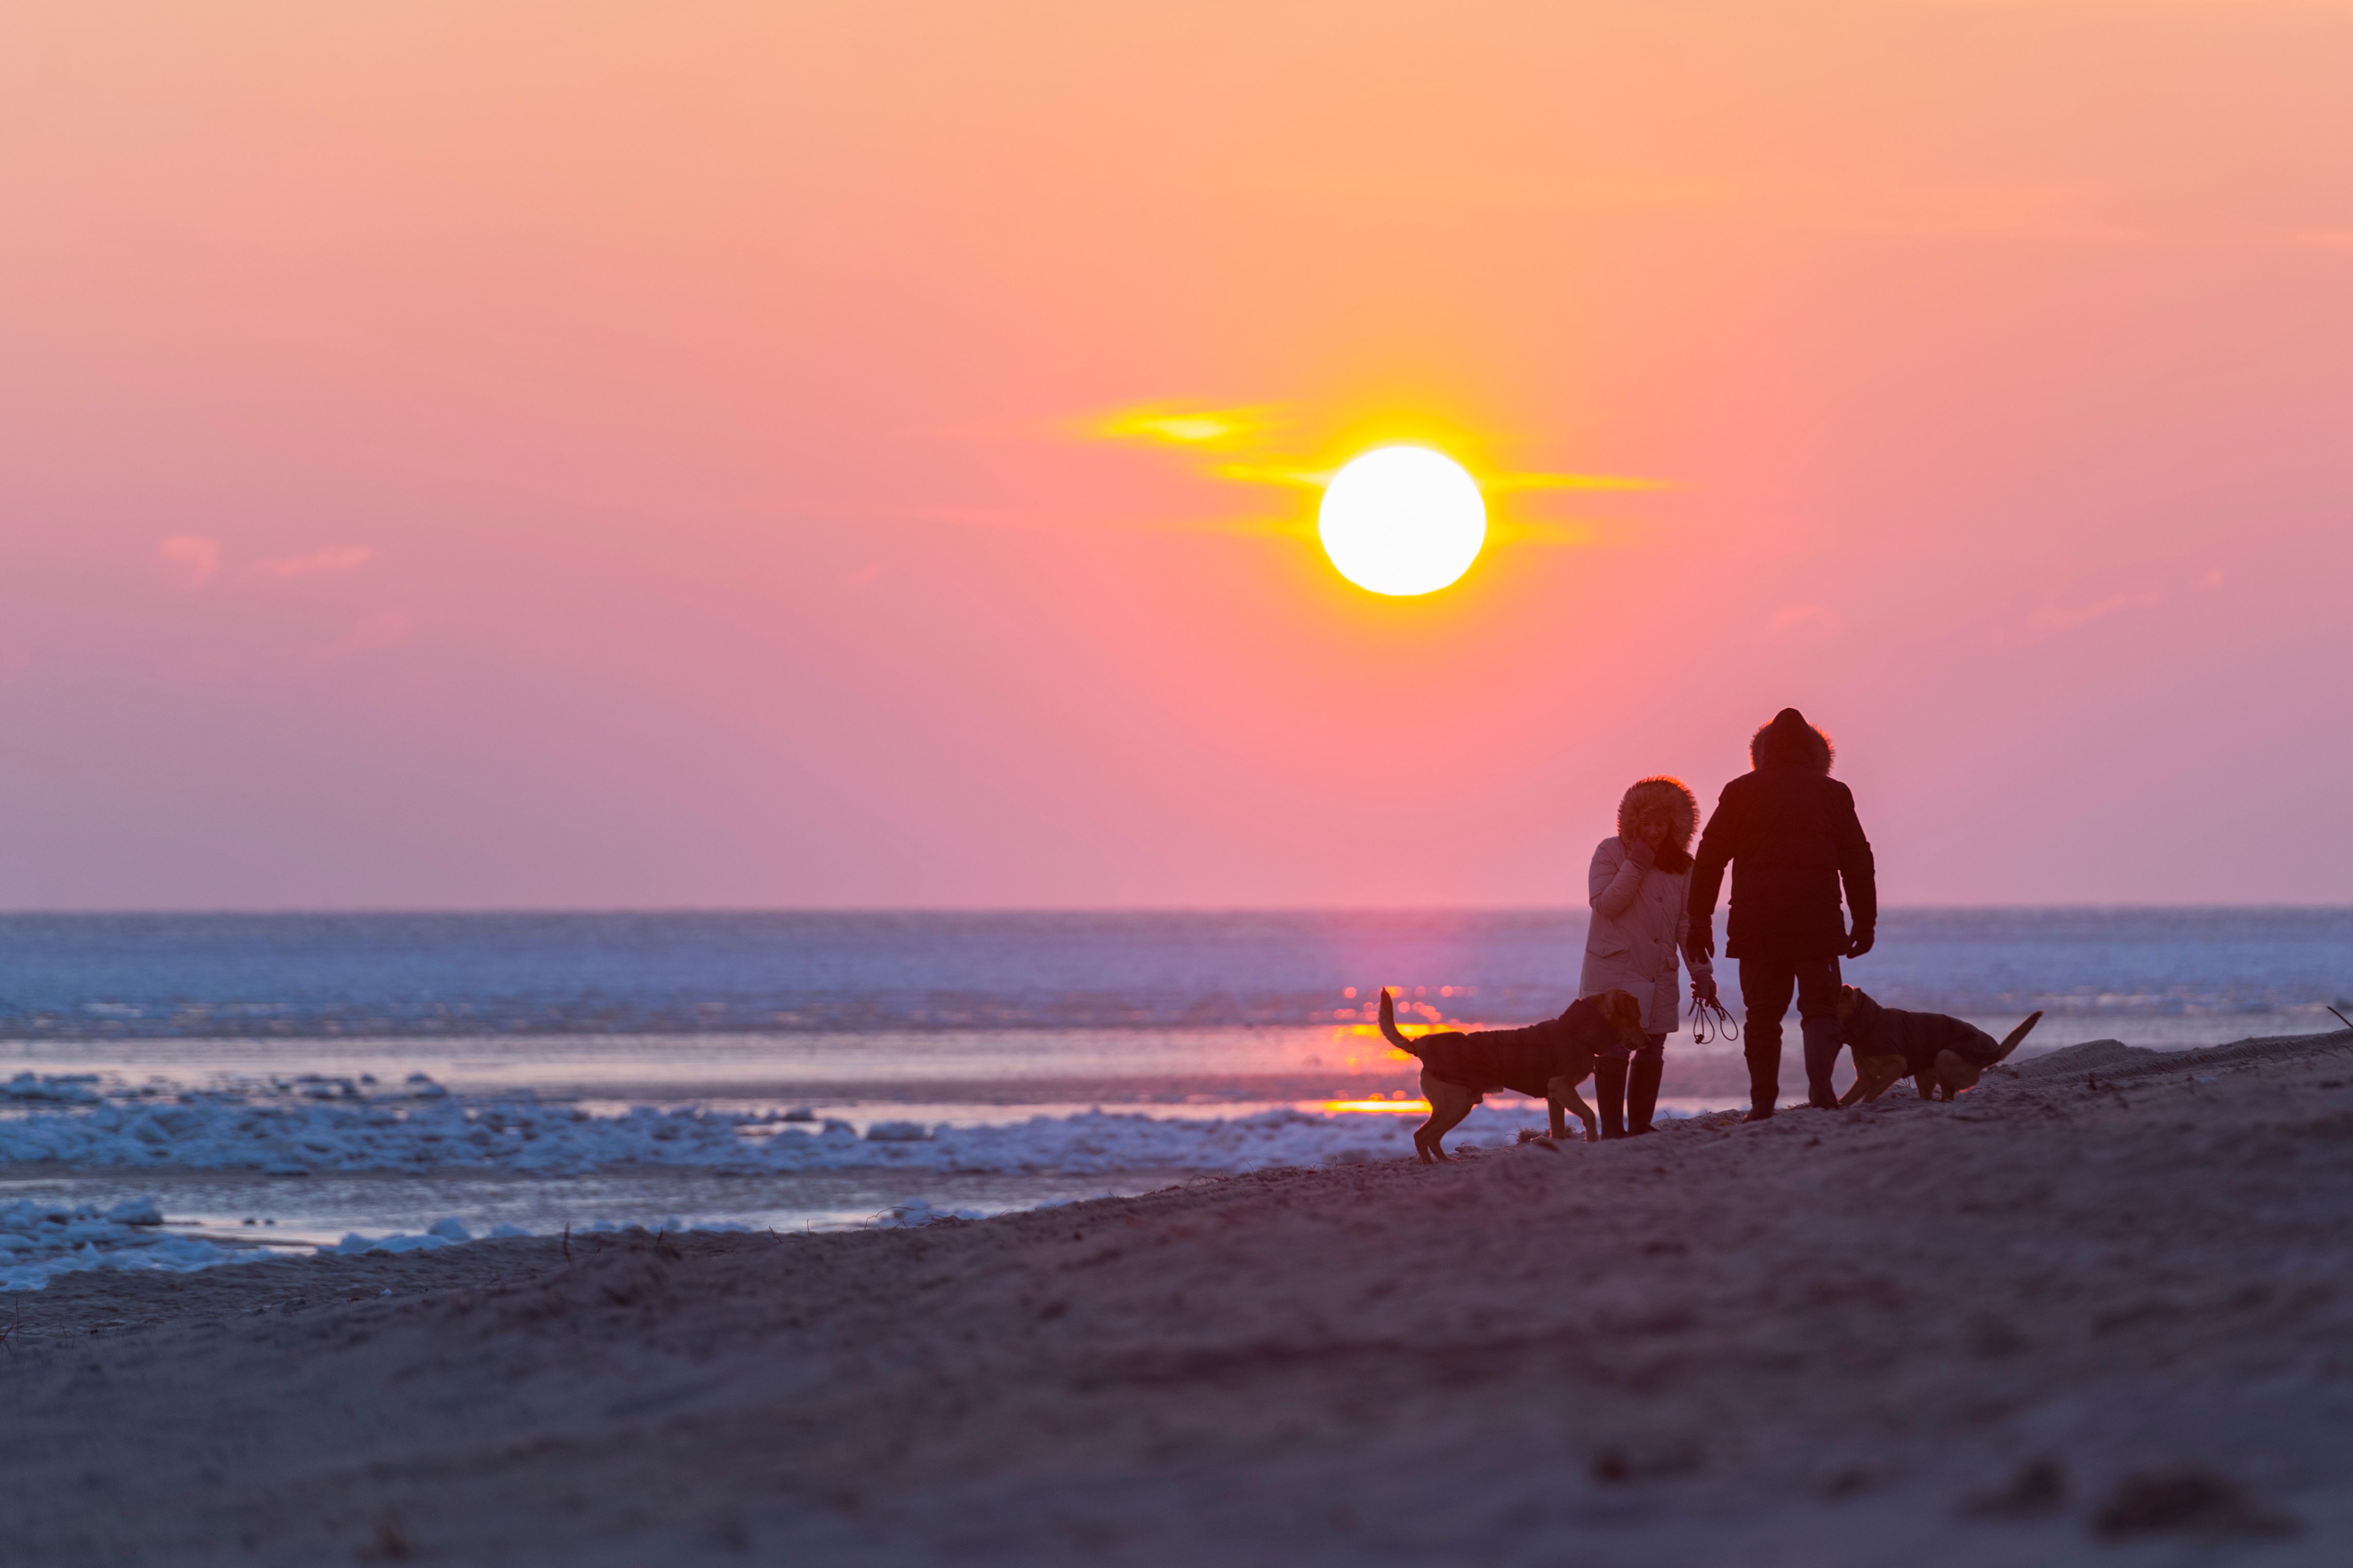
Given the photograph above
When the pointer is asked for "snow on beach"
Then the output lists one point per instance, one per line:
(39, 1241)
(312, 1125)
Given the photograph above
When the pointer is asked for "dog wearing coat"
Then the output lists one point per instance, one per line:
(1545, 1061)
(1943, 1055)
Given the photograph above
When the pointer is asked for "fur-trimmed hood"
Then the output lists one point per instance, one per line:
(1789, 740)
(1672, 796)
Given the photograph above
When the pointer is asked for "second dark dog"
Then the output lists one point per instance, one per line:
(1944, 1055)
(1545, 1061)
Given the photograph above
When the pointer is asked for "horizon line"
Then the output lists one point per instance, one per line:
(541, 911)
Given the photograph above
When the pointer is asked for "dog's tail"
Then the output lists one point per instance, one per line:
(1390, 1030)
(2009, 1041)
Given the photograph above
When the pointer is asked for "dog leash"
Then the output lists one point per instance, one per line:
(1711, 1021)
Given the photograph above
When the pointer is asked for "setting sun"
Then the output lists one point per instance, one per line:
(1402, 520)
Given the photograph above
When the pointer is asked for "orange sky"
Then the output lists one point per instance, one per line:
(611, 454)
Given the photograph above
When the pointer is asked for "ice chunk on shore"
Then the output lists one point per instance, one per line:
(71, 1088)
(39, 1241)
(294, 1134)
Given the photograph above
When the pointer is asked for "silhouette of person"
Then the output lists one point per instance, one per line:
(1790, 832)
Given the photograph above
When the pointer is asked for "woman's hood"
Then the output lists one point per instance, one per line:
(1681, 806)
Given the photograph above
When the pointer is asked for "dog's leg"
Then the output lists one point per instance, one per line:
(1560, 1095)
(1925, 1084)
(1873, 1075)
(1449, 1104)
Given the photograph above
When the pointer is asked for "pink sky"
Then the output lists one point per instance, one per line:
(594, 453)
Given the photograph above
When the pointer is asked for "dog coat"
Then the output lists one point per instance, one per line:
(1877, 1031)
(1522, 1059)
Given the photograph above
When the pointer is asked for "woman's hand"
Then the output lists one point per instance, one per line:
(1704, 989)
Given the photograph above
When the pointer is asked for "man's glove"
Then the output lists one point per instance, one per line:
(1701, 938)
(1860, 943)
(1703, 988)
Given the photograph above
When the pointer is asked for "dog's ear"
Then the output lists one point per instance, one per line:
(1624, 1012)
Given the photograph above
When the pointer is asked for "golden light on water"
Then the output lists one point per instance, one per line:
(1402, 520)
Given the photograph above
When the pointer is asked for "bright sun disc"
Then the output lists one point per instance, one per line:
(1402, 519)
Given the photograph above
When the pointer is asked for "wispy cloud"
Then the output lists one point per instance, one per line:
(1007, 517)
(1182, 425)
(318, 563)
(1243, 431)
(1508, 482)
(192, 558)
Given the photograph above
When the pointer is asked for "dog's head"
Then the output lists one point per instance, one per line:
(1625, 1015)
(1958, 1076)
(1849, 998)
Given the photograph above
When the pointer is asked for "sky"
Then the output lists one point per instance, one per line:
(508, 454)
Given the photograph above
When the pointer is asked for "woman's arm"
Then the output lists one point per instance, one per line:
(1613, 879)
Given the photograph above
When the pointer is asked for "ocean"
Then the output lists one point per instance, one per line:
(265, 1083)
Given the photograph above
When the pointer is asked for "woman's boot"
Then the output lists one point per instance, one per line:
(1643, 1095)
(1609, 1085)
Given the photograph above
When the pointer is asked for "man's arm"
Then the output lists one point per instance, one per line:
(1860, 875)
(1716, 847)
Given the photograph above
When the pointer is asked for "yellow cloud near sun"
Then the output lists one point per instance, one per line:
(1188, 427)
(1571, 482)
(1249, 440)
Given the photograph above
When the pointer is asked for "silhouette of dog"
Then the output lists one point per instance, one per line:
(1944, 1055)
(1545, 1061)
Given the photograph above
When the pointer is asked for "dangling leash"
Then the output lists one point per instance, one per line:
(1710, 1022)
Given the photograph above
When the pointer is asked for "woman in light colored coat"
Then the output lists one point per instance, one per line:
(1640, 888)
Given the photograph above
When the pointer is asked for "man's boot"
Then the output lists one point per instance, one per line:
(1821, 1061)
(1610, 1086)
(1764, 1070)
(1641, 1094)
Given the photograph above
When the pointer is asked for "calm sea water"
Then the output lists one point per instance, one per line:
(1016, 1022)
(163, 976)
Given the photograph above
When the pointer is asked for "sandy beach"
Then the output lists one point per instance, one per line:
(2100, 1310)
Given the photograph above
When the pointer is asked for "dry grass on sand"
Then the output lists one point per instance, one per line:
(2100, 1310)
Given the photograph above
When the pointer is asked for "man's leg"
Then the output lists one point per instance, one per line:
(1765, 987)
(1818, 989)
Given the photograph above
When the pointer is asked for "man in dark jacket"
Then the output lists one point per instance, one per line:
(1790, 832)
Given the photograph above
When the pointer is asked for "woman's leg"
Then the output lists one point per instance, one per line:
(1609, 1089)
(1649, 1065)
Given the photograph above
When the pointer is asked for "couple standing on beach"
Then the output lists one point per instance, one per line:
(1790, 832)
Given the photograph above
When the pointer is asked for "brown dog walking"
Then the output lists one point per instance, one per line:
(1545, 1061)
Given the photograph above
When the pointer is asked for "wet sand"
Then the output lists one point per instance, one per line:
(2099, 1310)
